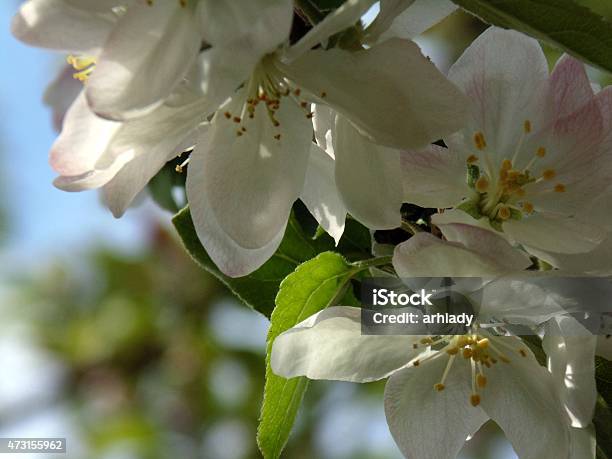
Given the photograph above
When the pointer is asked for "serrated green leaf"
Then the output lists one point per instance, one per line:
(562, 23)
(313, 286)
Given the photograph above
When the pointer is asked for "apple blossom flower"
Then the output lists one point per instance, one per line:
(445, 383)
(242, 182)
(534, 155)
(141, 50)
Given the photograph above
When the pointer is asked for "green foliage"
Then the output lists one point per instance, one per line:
(259, 289)
(313, 286)
(563, 23)
(161, 186)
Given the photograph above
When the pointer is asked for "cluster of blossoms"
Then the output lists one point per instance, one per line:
(267, 119)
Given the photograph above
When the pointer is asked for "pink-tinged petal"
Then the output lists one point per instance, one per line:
(570, 86)
(61, 25)
(83, 140)
(144, 59)
(434, 177)
(552, 233)
(505, 75)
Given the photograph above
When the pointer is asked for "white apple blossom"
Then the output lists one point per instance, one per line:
(535, 154)
(261, 137)
(141, 50)
(441, 389)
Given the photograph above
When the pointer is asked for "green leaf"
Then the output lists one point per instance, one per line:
(313, 286)
(563, 23)
(603, 411)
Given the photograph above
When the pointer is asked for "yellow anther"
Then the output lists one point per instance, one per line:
(277, 136)
(475, 399)
(236, 119)
(527, 207)
(483, 343)
(506, 165)
(416, 363)
(504, 213)
(560, 188)
(323, 94)
(481, 380)
(527, 126)
(472, 159)
(504, 359)
(482, 184)
(480, 141)
(415, 346)
(452, 351)
(179, 169)
(467, 352)
(523, 352)
(549, 174)
(426, 341)
(439, 387)
(541, 152)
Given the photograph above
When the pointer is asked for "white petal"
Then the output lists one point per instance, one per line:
(159, 148)
(505, 75)
(408, 19)
(241, 188)
(487, 243)
(83, 140)
(554, 234)
(321, 195)
(343, 17)
(424, 255)
(584, 444)
(434, 177)
(368, 177)
(265, 24)
(57, 24)
(61, 94)
(597, 262)
(224, 68)
(144, 59)
(94, 178)
(571, 359)
(425, 423)
(527, 298)
(520, 397)
(390, 91)
(323, 121)
(329, 345)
